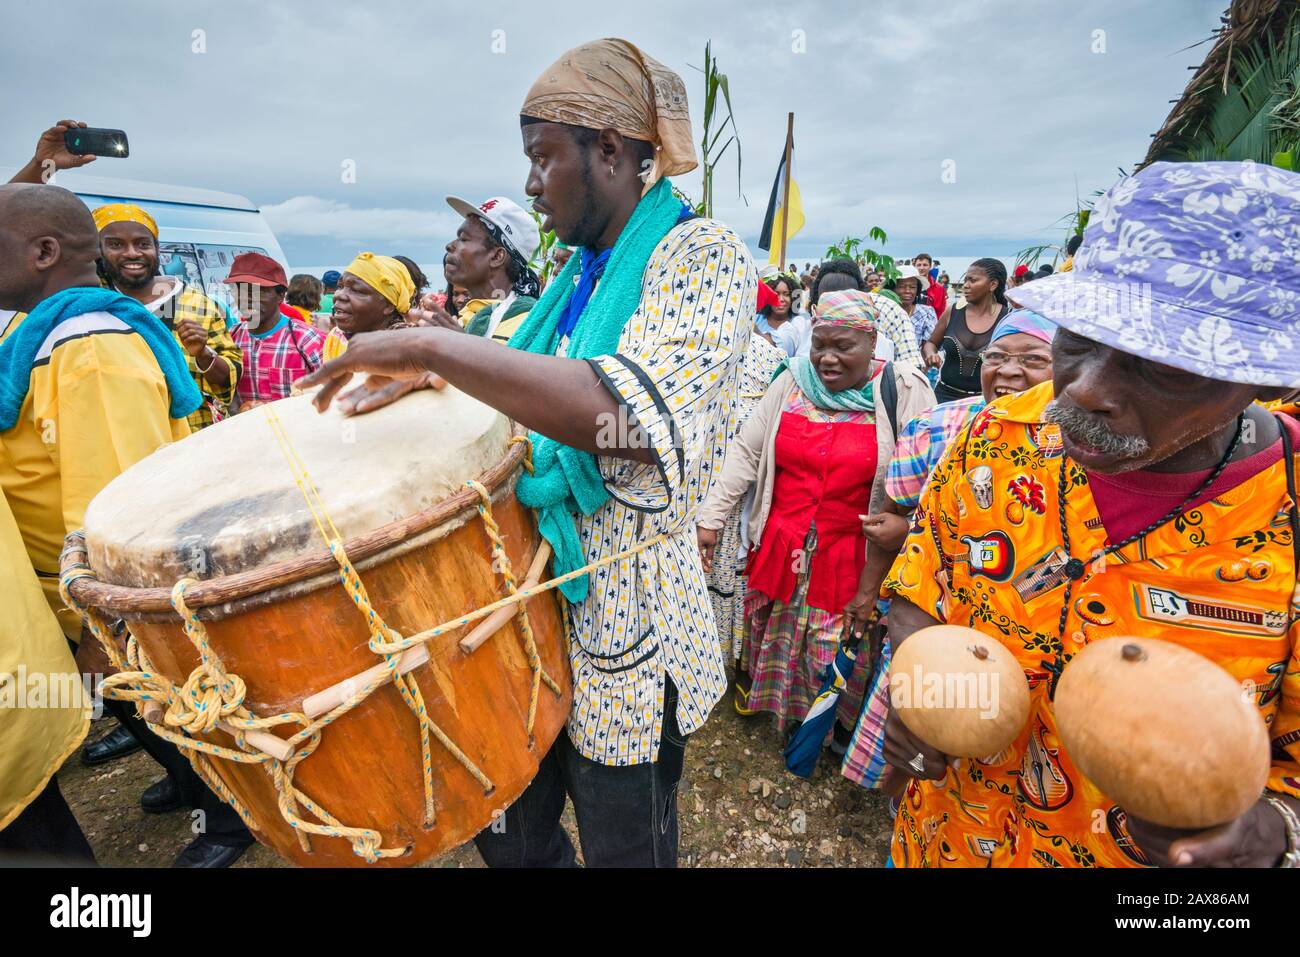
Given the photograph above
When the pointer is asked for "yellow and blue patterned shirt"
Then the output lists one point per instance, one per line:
(648, 617)
(186, 302)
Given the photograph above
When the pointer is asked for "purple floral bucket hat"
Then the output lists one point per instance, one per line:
(1195, 265)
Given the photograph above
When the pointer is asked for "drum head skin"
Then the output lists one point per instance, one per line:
(225, 500)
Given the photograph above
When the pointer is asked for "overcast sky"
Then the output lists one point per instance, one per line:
(1012, 93)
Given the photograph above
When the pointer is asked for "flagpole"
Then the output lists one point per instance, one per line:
(785, 204)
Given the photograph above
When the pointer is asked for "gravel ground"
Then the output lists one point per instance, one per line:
(739, 807)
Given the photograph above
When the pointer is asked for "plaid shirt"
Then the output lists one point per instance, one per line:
(920, 446)
(275, 360)
(186, 302)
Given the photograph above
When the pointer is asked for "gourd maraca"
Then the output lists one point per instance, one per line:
(1164, 732)
(959, 691)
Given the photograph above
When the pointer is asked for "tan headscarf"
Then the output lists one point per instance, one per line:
(610, 84)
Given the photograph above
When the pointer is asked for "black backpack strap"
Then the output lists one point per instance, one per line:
(1288, 456)
(889, 396)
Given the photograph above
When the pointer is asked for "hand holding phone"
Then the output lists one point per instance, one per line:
(52, 153)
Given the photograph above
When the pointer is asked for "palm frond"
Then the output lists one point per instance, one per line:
(1253, 112)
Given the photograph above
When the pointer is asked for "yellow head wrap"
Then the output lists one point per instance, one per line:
(123, 213)
(611, 84)
(386, 276)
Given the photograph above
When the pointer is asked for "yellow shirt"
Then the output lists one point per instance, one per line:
(472, 307)
(335, 345)
(97, 403)
(985, 551)
(504, 329)
(508, 327)
(44, 712)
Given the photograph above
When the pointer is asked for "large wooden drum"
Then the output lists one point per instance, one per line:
(225, 509)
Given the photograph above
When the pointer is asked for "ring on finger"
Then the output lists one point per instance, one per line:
(917, 764)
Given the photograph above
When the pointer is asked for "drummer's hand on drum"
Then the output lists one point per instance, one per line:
(707, 539)
(379, 391)
(387, 356)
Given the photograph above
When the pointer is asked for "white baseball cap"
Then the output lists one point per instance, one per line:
(517, 227)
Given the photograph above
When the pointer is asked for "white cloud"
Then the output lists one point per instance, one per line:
(420, 105)
(316, 216)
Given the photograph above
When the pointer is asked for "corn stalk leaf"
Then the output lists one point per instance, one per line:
(715, 126)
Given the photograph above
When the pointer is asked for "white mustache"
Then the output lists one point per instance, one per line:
(1091, 430)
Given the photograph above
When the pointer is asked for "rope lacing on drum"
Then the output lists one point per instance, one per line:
(501, 562)
(211, 696)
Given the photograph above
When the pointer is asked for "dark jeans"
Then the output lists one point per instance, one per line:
(222, 825)
(627, 816)
(45, 833)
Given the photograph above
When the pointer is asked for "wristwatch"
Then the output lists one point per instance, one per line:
(1292, 856)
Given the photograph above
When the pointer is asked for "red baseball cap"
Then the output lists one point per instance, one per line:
(258, 269)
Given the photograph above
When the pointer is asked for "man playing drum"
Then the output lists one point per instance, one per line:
(626, 370)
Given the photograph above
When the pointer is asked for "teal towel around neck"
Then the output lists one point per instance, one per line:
(18, 351)
(566, 481)
(810, 384)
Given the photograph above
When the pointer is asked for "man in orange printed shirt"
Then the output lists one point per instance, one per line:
(1144, 492)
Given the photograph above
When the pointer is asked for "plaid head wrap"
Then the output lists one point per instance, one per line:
(848, 307)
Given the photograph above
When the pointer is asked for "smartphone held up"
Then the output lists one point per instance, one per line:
(93, 141)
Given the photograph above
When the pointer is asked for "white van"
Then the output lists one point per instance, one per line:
(200, 231)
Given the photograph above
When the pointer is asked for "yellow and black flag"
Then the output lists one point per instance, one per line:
(785, 192)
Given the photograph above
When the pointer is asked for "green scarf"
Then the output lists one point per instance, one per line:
(565, 481)
(810, 384)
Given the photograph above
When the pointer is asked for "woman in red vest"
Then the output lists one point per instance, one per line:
(813, 450)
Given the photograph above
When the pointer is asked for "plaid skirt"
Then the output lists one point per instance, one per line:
(787, 648)
(864, 764)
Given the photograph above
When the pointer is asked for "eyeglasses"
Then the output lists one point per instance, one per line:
(1029, 361)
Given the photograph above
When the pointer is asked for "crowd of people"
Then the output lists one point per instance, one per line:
(826, 459)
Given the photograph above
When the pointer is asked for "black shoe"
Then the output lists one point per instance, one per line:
(162, 796)
(203, 852)
(118, 743)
